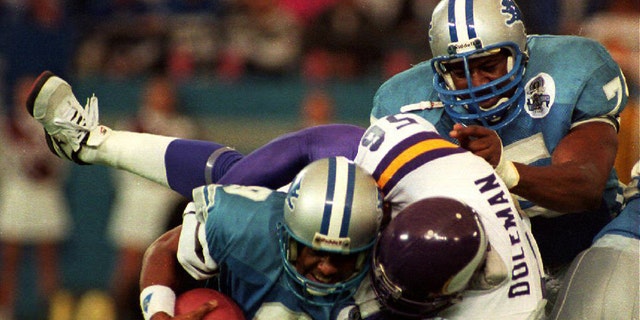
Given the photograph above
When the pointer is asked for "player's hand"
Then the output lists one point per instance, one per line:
(197, 314)
(481, 141)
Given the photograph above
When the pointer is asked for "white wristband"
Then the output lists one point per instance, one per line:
(157, 298)
(508, 172)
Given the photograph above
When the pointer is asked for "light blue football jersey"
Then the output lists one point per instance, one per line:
(568, 80)
(241, 234)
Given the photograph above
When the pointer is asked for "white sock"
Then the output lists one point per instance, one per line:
(139, 153)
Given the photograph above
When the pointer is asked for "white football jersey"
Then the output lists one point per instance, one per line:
(411, 161)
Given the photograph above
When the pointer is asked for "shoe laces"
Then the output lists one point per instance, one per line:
(77, 122)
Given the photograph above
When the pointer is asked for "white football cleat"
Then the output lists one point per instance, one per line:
(66, 123)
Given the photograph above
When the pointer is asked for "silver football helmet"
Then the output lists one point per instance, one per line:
(461, 30)
(426, 256)
(333, 205)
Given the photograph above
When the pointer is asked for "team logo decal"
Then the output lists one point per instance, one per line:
(510, 8)
(540, 93)
(293, 194)
(145, 302)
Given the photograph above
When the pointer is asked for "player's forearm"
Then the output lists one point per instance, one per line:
(563, 188)
(577, 176)
(159, 262)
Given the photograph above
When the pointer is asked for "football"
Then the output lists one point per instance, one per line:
(190, 300)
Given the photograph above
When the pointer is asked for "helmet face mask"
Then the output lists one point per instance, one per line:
(334, 207)
(313, 292)
(391, 296)
(426, 256)
(461, 31)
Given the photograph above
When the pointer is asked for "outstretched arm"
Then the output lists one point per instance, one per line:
(579, 169)
(576, 178)
(159, 266)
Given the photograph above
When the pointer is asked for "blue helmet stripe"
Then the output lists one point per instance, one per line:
(471, 26)
(348, 203)
(328, 202)
(452, 21)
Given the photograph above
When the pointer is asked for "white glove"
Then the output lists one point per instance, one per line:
(193, 249)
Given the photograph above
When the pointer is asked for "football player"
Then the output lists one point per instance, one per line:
(300, 254)
(440, 272)
(540, 109)
(602, 282)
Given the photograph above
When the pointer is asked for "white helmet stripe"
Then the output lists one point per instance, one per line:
(339, 198)
(461, 24)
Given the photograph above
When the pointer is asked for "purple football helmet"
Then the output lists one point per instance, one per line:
(425, 257)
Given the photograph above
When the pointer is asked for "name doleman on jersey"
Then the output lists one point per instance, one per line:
(503, 211)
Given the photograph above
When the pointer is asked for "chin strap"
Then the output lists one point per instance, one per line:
(507, 170)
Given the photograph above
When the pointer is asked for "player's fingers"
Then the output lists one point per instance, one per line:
(459, 134)
(466, 134)
(486, 148)
(456, 131)
(479, 149)
(473, 131)
(203, 310)
(208, 306)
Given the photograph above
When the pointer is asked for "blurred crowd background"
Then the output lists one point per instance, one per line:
(239, 72)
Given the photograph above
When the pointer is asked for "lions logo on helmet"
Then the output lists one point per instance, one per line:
(292, 196)
(333, 205)
(461, 30)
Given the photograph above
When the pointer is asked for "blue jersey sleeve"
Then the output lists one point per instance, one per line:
(276, 163)
(240, 222)
(605, 92)
(587, 79)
